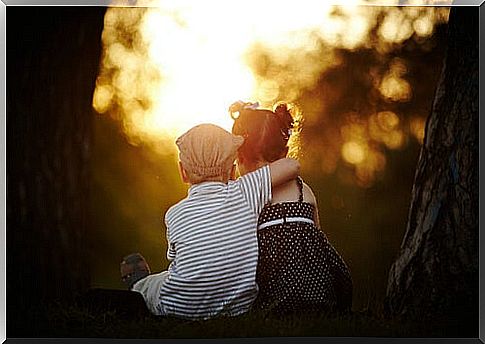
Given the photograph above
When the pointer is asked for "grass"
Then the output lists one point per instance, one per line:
(71, 320)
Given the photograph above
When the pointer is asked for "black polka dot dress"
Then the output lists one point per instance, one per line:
(298, 269)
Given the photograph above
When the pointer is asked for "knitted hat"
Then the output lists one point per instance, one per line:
(207, 150)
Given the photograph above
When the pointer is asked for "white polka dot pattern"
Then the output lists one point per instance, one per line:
(298, 268)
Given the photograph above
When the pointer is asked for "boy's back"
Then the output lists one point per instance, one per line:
(213, 245)
(212, 233)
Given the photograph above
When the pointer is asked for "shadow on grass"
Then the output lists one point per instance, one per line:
(122, 316)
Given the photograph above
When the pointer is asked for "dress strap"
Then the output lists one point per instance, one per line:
(299, 181)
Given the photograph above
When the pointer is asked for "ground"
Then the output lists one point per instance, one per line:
(76, 320)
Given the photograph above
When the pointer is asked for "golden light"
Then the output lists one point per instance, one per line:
(366, 171)
(394, 140)
(396, 27)
(175, 64)
(353, 152)
(395, 89)
(384, 128)
(103, 96)
(392, 86)
(268, 91)
(417, 127)
(423, 26)
(387, 120)
(329, 161)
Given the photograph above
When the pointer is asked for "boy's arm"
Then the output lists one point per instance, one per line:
(283, 170)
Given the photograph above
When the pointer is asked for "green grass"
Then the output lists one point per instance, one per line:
(73, 321)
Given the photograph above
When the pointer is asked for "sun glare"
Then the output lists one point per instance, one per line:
(175, 64)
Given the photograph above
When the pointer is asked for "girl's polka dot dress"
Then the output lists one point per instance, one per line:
(298, 269)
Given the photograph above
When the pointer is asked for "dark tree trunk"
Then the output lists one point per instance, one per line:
(53, 55)
(436, 272)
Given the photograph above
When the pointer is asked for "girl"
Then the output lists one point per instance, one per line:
(298, 269)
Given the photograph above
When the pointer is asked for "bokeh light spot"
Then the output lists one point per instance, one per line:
(353, 152)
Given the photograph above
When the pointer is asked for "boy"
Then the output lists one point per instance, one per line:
(211, 233)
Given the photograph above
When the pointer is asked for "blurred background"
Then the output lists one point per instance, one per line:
(363, 76)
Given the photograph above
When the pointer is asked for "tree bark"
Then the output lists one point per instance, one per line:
(53, 55)
(436, 272)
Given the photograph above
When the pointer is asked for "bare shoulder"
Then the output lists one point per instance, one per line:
(308, 195)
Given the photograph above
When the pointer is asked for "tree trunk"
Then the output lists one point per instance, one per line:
(436, 272)
(53, 55)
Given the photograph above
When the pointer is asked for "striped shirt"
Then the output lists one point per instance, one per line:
(213, 247)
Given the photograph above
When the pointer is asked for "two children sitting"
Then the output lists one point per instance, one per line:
(211, 234)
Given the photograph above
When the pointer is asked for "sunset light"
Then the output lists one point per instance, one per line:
(173, 65)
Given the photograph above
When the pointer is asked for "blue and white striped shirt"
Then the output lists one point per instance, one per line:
(213, 246)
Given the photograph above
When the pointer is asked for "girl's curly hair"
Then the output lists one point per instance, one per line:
(269, 135)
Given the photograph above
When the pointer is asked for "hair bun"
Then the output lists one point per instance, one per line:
(236, 108)
(281, 108)
(239, 106)
(284, 115)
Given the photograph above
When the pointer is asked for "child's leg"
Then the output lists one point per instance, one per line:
(149, 287)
